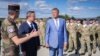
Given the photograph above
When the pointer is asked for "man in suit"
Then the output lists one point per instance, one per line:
(29, 48)
(56, 36)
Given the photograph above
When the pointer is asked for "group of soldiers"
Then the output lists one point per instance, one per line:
(83, 35)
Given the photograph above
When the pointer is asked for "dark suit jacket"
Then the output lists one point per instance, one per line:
(34, 42)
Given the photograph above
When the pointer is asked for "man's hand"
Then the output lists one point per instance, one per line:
(65, 46)
(47, 46)
(34, 34)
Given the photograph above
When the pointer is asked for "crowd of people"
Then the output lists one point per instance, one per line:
(82, 33)
(56, 34)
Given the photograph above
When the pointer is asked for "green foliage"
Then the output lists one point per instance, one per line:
(65, 16)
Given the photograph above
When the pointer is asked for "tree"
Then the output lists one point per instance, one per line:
(98, 18)
(65, 16)
(72, 17)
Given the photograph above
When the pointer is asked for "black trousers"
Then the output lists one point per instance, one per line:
(31, 51)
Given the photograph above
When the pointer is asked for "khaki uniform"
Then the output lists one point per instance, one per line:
(8, 30)
(42, 30)
(37, 23)
(79, 29)
(72, 36)
(79, 25)
(98, 33)
(92, 36)
(85, 39)
(67, 27)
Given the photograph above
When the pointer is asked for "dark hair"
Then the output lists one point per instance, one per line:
(83, 20)
(41, 18)
(55, 9)
(29, 12)
(91, 20)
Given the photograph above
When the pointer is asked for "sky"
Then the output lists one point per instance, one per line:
(76, 8)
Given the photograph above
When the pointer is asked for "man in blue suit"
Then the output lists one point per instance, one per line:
(56, 35)
(30, 47)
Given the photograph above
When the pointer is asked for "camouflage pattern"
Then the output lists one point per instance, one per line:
(72, 36)
(92, 36)
(8, 31)
(42, 30)
(78, 34)
(37, 22)
(98, 33)
(85, 39)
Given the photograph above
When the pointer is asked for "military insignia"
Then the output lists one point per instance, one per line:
(10, 29)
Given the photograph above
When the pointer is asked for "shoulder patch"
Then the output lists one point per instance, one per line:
(10, 29)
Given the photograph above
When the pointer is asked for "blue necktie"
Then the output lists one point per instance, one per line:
(32, 27)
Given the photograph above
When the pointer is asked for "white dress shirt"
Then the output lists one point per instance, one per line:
(56, 21)
(29, 23)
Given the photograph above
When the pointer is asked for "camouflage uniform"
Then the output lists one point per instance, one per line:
(85, 39)
(93, 37)
(8, 31)
(72, 36)
(79, 25)
(98, 33)
(42, 30)
(37, 22)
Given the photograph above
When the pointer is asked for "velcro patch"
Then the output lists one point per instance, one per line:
(10, 29)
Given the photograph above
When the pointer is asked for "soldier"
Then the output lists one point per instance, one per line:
(42, 30)
(93, 33)
(98, 33)
(72, 36)
(85, 38)
(9, 34)
(79, 25)
(37, 22)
